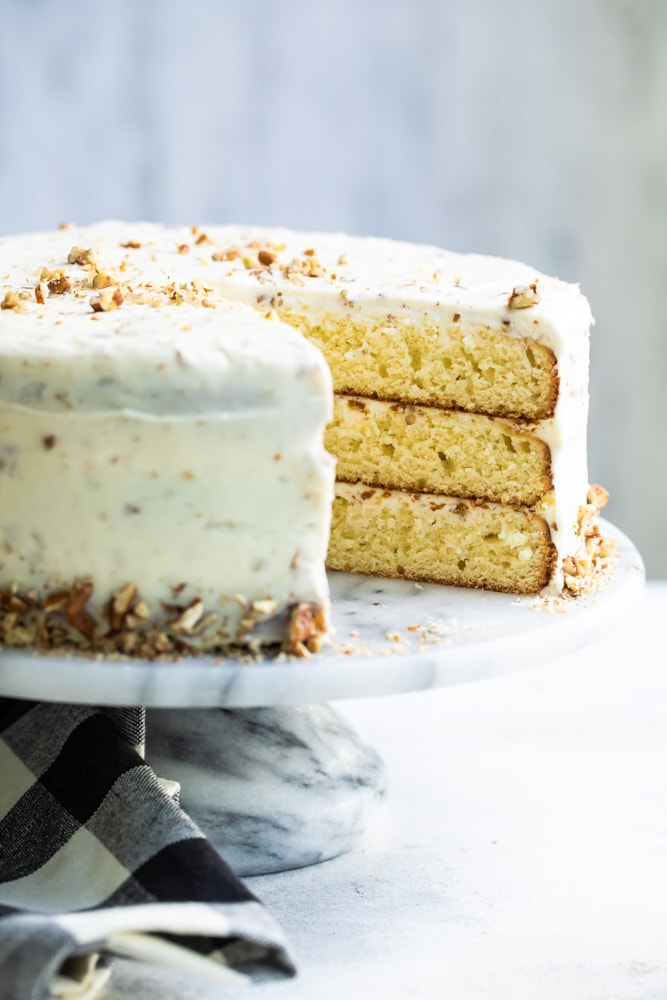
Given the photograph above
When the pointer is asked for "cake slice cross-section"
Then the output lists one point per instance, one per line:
(461, 406)
(461, 386)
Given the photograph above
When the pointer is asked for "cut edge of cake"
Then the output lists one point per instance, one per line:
(406, 329)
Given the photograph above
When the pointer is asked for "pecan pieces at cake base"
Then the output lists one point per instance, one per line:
(307, 630)
(306, 627)
(62, 622)
(587, 571)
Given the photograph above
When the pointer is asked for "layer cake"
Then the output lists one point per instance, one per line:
(458, 427)
(461, 405)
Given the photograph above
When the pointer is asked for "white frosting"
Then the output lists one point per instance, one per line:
(168, 446)
(368, 276)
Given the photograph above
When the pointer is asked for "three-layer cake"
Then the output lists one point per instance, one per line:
(163, 485)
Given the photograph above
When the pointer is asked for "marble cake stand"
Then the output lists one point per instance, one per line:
(274, 775)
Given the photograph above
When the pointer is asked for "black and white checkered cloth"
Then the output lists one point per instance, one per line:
(97, 859)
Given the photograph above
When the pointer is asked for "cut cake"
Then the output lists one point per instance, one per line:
(459, 423)
(461, 403)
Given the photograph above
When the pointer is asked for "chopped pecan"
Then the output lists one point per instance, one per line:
(120, 605)
(102, 280)
(138, 616)
(58, 286)
(108, 299)
(523, 296)
(75, 613)
(597, 495)
(163, 643)
(55, 601)
(189, 617)
(11, 602)
(78, 255)
(230, 254)
(302, 626)
(265, 607)
(10, 301)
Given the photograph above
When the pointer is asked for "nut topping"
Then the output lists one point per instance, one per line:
(121, 604)
(523, 297)
(265, 607)
(75, 613)
(306, 626)
(108, 299)
(10, 301)
(55, 601)
(102, 280)
(598, 496)
(58, 286)
(230, 254)
(188, 618)
(78, 255)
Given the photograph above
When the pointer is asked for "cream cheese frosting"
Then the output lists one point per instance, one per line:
(309, 276)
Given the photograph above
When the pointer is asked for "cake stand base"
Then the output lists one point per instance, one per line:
(272, 788)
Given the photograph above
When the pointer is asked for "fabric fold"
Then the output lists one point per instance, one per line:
(98, 859)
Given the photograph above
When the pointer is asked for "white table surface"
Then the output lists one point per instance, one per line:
(521, 851)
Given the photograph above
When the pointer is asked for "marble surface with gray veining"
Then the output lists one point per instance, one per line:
(529, 130)
(272, 788)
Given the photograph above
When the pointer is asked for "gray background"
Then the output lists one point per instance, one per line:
(534, 129)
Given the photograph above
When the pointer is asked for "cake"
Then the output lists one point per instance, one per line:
(458, 429)
(461, 405)
(163, 484)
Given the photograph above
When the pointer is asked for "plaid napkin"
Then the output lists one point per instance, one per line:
(98, 859)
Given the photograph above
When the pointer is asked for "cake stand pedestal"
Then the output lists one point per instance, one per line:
(272, 788)
(273, 775)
